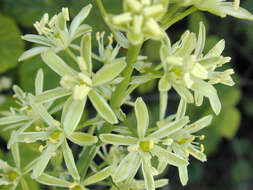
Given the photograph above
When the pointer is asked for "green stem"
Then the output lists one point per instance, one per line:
(101, 8)
(169, 14)
(71, 54)
(178, 17)
(119, 93)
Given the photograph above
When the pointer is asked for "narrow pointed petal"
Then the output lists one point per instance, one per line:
(126, 166)
(52, 181)
(12, 119)
(43, 160)
(108, 72)
(148, 177)
(102, 107)
(169, 157)
(183, 174)
(86, 52)
(181, 109)
(197, 154)
(79, 19)
(201, 40)
(73, 115)
(170, 128)
(15, 154)
(39, 82)
(99, 176)
(57, 64)
(200, 124)
(37, 39)
(142, 117)
(51, 95)
(184, 93)
(69, 160)
(32, 52)
(163, 105)
(83, 139)
(118, 139)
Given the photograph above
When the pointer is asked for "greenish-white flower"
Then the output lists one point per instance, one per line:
(55, 138)
(27, 114)
(54, 34)
(221, 8)
(187, 69)
(84, 83)
(143, 147)
(11, 177)
(140, 19)
(184, 142)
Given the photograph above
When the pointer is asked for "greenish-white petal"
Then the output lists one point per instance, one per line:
(229, 8)
(184, 92)
(102, 107)
(126, 167)
(15, 154)
(169, 128)
(69, 160)
(99, 176)
(43, 160)
(169, 157)
(148, 177)
(201, 40)
(118, 139)
(196, 153)
(83, 139)
(13, 119)
(79, 19)
(183, 174)
(73, 115)
(200, 124)
(181, 109)
(39, 80)
(86, 53)
(108, 72)
(163, 104)
(51, 95)
(57, 64)
(32, 52)
(52, 181)
(142, 117)
(37, 39)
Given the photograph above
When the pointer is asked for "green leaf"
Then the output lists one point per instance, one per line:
(102, 107)
(69, 160)
(230, 122)
(82, 139)
(11, 45)
(108, 72)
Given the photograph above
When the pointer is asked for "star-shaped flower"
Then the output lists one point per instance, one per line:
(54, 34)
(186, 69)
(143, 147)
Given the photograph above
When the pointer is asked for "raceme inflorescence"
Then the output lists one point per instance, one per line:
(68, 144)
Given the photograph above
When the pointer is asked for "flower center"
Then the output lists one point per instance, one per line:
(146, 146)
(54, 136)
(13, 175)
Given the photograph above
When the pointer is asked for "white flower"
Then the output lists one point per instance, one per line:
(54, 34)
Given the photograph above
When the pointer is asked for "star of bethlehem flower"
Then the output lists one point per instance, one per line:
(221, 8)
(140, 19)
(143, 147)
(84, 83)
(27, 114)
(183, 142)
(54, 34)
(187, 69)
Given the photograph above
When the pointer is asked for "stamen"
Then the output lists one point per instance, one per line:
(236, 4)
(72, 185)
(202, 148)
(202, 137)
(41, 148)
(37, 128)
(65, 12)
(187, 154)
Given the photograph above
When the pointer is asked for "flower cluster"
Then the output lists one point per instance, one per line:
(50, 120)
